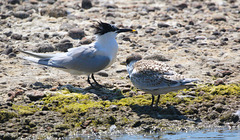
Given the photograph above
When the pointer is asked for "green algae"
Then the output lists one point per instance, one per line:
(76, 102)
(5, 115)
(25, 109)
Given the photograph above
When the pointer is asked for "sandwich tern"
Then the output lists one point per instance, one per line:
(86, 59)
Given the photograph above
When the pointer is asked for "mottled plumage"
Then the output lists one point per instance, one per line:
(155, 77)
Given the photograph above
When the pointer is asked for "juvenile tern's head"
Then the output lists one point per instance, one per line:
(103, 28)
(133, 58)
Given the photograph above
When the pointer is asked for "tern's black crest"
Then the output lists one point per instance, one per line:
(103, 28)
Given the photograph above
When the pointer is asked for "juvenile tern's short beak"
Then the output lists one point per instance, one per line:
(125, 30)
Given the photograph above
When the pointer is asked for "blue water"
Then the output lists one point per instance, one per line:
(197, 135)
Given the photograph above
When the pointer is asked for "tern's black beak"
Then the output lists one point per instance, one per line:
(125, 30)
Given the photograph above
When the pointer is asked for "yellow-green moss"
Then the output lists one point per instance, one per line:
(25, 109)
(6, 115)
(231, 89)
(73, 102)
(139, 99)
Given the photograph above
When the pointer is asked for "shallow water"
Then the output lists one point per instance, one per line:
(195, 135)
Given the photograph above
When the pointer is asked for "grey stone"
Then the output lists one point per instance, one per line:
(16, 36)
(7, 51)
(35, 95)
(163, 25)
(219, 18)
(173, 32)
(57, 12)
(86, 4)
(21, 14)
(63, 46)
(44, 47)
(76, 33)
(13, 1)
(182, 6)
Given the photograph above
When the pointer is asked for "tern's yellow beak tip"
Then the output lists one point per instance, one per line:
(133, 30)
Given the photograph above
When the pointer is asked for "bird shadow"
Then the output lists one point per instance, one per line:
(169, 112)
(105, 93)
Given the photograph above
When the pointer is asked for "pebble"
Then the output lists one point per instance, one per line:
(7, 51)
(173, 32)
(13, 1)
(63, 46)
(219, 18)
(84, 41)
(44, 47)
(76, 33)
(86, 4)
(16, 36)
(157, 57)
(162, 25)
(103, 74)
(56, 12)
(21, 14)
(35, 95)
(182, 6)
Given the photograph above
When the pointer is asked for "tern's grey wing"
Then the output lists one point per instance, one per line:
(83, 59)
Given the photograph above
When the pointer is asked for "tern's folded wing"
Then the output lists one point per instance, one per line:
(83, 59)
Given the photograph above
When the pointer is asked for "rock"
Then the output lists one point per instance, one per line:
(113, 107)
(216, 33)
(57, 12)
(63, 46)
(84, 41)
(7, 51)
(35, 95)
(8, 33)
(167, 34)
(219, 82)
(67, 26)
(86, 4)
(44, 47)
(51, 1)
(149, 30)
(172, 9)
(219, 18)
(103, 74)
(21, 14)
(226, 72)
(157, 57)
(76, 33)
(33, 1)
(4, 16)
(173, 32)
(163, 25)
(182, 6)
(13, 1)
(16, 36)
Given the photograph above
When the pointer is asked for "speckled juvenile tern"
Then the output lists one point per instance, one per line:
(155, 77)
(86, 59)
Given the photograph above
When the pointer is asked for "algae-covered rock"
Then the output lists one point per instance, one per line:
(65, 110)
(5, 115)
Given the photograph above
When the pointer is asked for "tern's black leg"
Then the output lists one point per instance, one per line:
(96, 81)
(157, 100)
(152, 100)
(88, 80)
